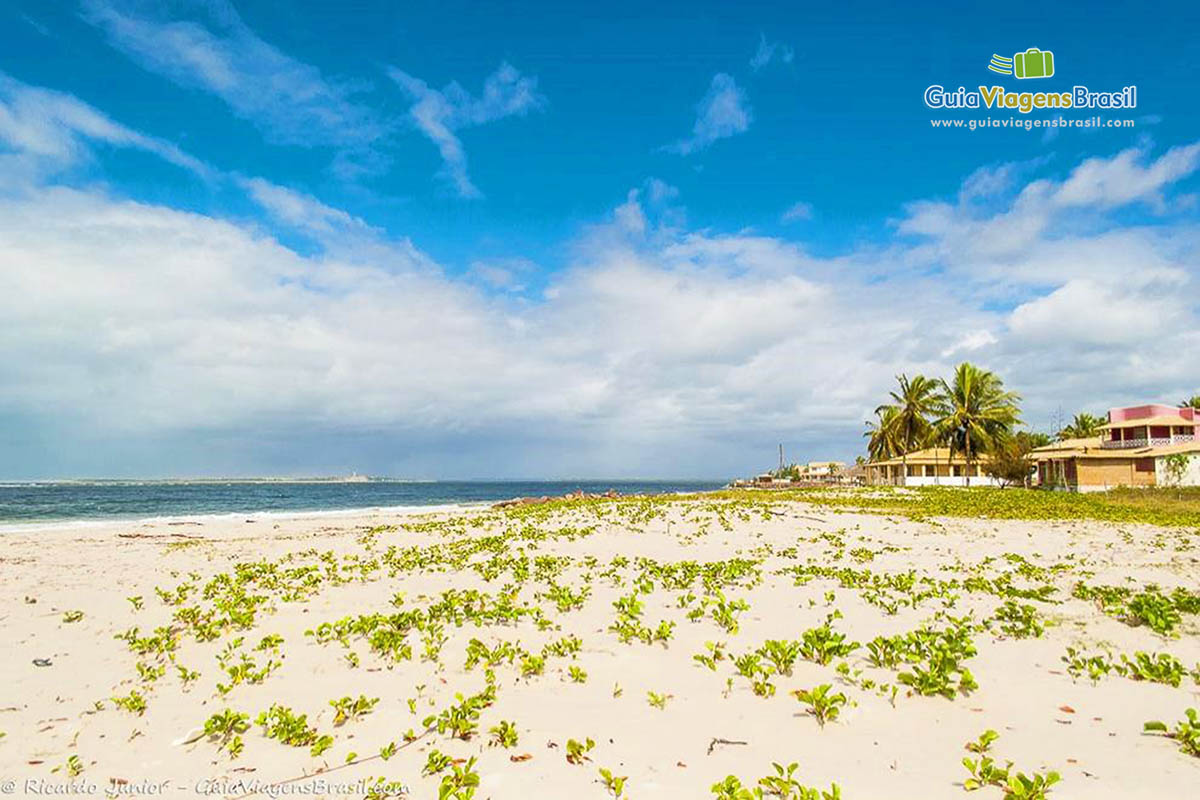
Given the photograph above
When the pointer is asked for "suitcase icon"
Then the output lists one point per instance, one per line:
(1033, 63)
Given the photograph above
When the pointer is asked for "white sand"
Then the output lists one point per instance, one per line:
(874, 750)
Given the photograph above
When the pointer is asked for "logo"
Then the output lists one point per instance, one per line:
(1033, 63)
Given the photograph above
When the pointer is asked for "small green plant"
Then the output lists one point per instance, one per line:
(984, 742)
(782, 654)
(72, 616)
(1094, 666)
(824, 644)
(1158, 668)
(461, 719)
(715, 652)
(280, 723)
(1018, 620)
(577, 752)
(504, 734)
(136, 601)
(1186, 733)
(226, 729)
(615, 784)
(984, 772)
(1029, 787)
(461, 783)
(436, 762)
(73, 767)
(725, 612)
(532, 665)
(783, 784)
(148, 673)
(576, 674)
(657, 700)
(348, 708)
(134, 702)
(732, 789)
(1154, 610)
(822, 702)
(186, 676)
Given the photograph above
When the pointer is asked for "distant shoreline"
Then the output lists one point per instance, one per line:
(72, 503)
(362, 479)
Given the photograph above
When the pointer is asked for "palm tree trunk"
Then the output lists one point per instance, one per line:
(967, 454)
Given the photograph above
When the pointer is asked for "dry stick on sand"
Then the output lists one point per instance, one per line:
(273, 787)
(716, 741)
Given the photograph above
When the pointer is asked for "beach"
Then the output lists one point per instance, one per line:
(583, 621)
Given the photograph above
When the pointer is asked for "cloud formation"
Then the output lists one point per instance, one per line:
(45, 131)
(440, 114)
(660, 348)
(770, 51)
(291, 102)
(723, 112)
(797, 211)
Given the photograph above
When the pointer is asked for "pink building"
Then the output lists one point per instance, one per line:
(1149, 426)
(1140, 446)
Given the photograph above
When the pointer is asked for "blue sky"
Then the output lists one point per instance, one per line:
(662, 238)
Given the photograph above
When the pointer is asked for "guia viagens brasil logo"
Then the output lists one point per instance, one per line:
(1026, 65)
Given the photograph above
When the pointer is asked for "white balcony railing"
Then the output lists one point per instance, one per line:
(1156, 441)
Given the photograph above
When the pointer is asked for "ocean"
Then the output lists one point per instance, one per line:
(22, 504)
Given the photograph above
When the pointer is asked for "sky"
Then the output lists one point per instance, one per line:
(549, 240)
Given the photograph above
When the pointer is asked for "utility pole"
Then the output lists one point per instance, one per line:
(781, 458)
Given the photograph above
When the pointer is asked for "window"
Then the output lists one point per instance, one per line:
(1143, 464)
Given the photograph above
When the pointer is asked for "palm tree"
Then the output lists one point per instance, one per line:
(1191, 402)
(975, 413)
(912, 406)
(881, 441)
(1083, 426)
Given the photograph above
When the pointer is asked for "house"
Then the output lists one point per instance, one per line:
(1137, 448)
(933, 466)
(821, 470)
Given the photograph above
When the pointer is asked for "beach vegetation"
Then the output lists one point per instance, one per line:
(614, 784)
(503, 734)
(460, 783)
(822, 702)
(577, 752)
(1186, 732)
(225, 728)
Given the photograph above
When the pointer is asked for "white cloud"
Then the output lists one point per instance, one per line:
(504, 274)
(770, 51)
(1125, 178)
(301, 211)
(289, 101)
(723, 112)
(1084, 312)
(969, 343)
(46, 131)
(797, 211)
(439, 114)
(135, 322)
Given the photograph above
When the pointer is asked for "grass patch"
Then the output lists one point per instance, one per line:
(1167, 507)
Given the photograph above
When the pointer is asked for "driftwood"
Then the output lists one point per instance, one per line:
(717, 741)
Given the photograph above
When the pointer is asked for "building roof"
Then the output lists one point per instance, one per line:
(930, 455)
(1091, 449)
(1068, 444)
(1160, 419)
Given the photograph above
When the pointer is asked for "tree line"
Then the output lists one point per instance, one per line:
(971, 414)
